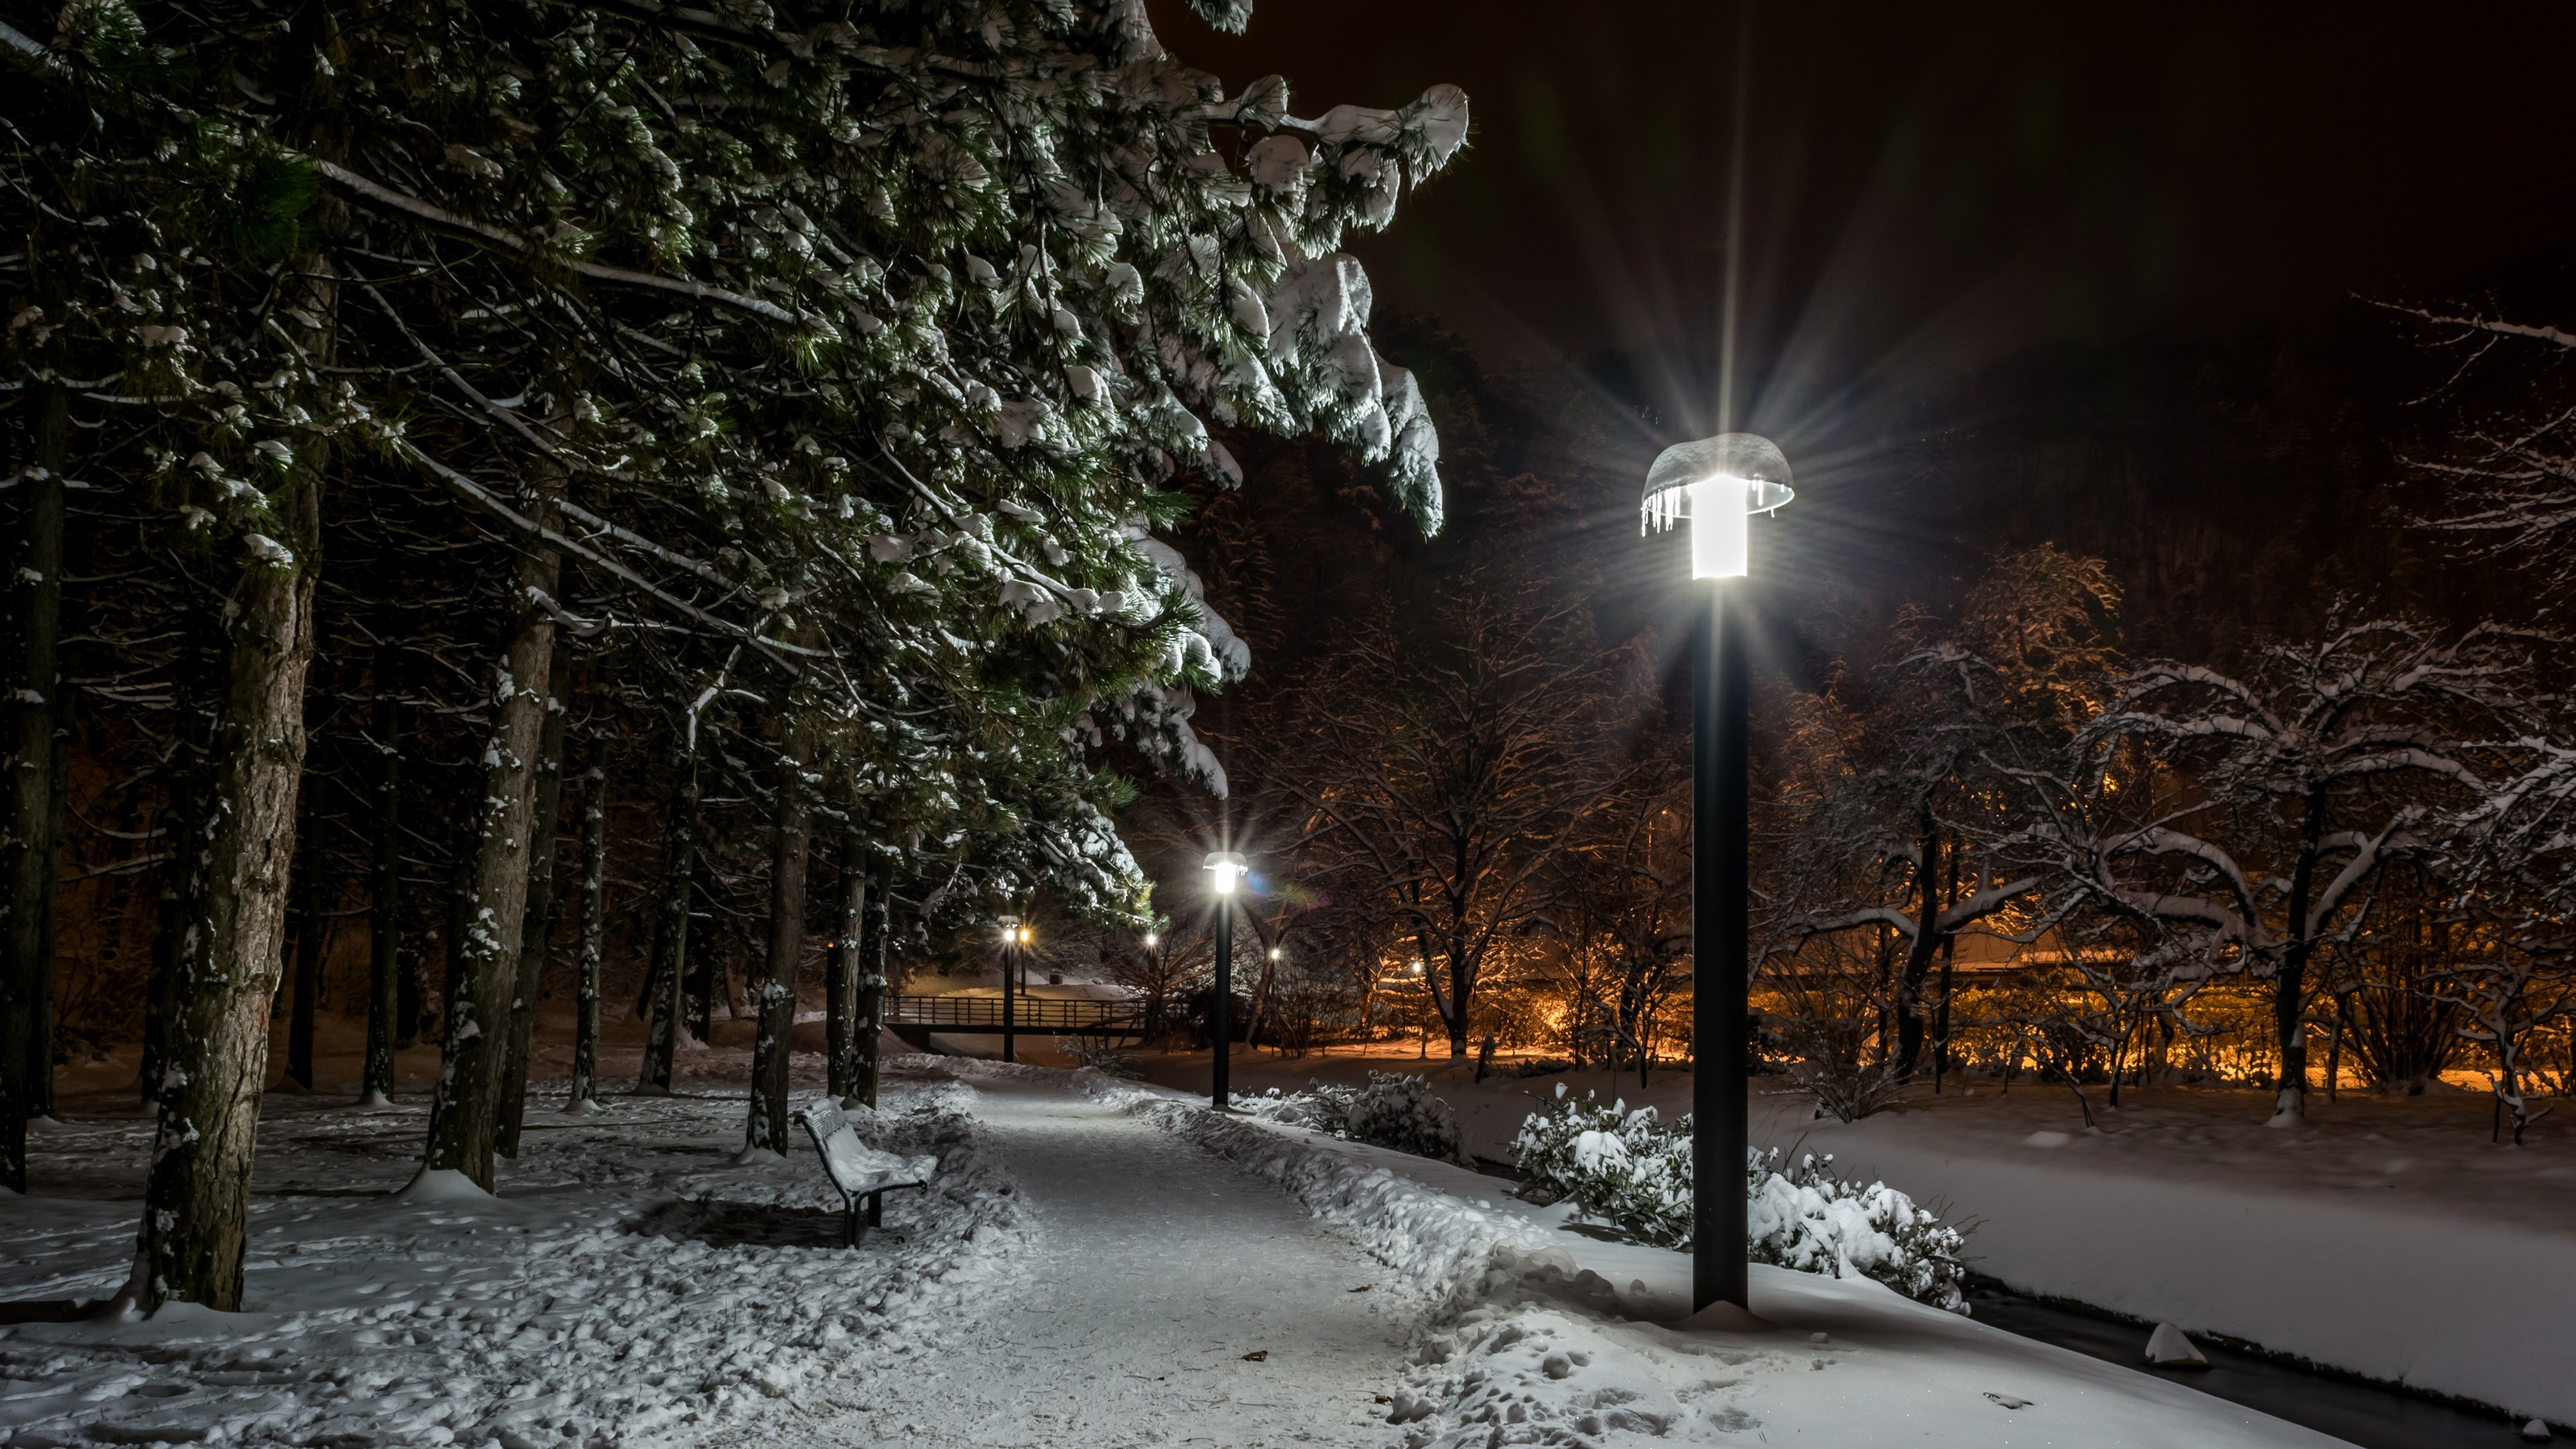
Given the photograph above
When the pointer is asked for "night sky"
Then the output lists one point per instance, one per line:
(1935, 186)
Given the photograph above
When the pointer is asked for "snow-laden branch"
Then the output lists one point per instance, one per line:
(419, 210)
(773, 649)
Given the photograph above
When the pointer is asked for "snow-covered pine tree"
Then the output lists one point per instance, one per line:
(838, 356)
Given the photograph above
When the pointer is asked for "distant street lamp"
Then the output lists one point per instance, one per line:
(1718, 484)
(1229, 868)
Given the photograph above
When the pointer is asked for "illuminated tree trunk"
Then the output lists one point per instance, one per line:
(311, 936)
(594, 883)
(26, 1048)
(465, 1112)
(775, 991)
(873, 942)
(671, 941)
(844, 966)
(538, 924)
(384, 905)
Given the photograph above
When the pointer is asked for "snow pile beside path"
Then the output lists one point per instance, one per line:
(1438, 1243)
(627, 1288)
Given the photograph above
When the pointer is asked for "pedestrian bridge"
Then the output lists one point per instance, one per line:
(914, 1018)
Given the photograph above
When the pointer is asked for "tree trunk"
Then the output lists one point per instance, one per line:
(40, 1052)
(1919, 952)
(706, 970)
(841, 974)
(776, 989)
(465, 1110)
(594, 920)
(1462, 986)
(870, 1023)
(671, 941)
(2289, 983)
(25, 1053)
(311, 904)
(538, 923)
(235, 850)
(384, 905)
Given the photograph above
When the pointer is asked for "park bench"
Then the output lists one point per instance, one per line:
(863, 1174)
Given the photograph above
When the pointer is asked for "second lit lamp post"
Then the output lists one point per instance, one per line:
(1228, 868)
(1014, 936)
(1718, 484)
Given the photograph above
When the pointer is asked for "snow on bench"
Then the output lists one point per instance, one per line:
(863, 1174)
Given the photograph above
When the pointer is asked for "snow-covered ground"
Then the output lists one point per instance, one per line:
(2388, 1238)
(1099, 1263)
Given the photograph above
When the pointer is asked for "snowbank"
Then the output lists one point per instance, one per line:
(2371, 1243)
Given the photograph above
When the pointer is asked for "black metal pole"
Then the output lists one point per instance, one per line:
(1010, 953)
(1221, 1028)
(1721, 918)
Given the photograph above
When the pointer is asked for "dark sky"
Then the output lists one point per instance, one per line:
(1933, 186)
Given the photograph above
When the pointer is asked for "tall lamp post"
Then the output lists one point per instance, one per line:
(1718, 484)
(1228, 867)
(1010, 957)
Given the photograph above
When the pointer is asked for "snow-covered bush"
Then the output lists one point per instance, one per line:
(1623, 1168)
(1633, 1171)
(1393, 1110)
(1398, 1111)
(1098, 1055)
(1814, 1220)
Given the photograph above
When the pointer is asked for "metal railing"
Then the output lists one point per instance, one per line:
(1029, 1013)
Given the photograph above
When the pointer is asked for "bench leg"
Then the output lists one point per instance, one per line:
(876, 1209)
(850, 1229)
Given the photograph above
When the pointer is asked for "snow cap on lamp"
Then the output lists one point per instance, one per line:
(1718, 484)
(1229, 868)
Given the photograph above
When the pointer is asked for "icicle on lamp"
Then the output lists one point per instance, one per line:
(1229, 868)
(1718, 484)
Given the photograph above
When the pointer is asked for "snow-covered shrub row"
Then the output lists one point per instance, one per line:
(1394, 1110)
(1632, 1171)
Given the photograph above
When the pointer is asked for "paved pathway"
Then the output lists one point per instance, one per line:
(1158, 1267)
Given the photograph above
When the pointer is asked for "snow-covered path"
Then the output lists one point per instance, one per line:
(1156, 1268)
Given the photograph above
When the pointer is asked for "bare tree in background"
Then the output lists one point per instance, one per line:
(1447, 759)
(1892, 800)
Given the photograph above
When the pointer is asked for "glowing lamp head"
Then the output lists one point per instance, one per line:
(1152, 940)
(1010, 929)
(1718, 484)
(1229, 868)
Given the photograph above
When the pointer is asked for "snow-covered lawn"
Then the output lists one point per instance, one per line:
(1099, 1263)
(2388, 1238)
(630, 1285)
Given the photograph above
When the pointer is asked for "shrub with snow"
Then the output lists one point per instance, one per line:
(1623, 1168)
(1393, 1110)
(1633, 1171)
(1098, 1055)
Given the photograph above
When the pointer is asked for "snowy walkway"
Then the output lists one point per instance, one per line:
(1155, 1268)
